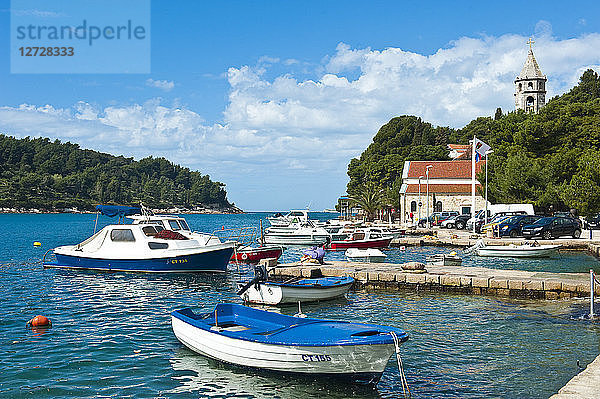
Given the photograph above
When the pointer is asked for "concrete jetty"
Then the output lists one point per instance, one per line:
(584, 385)
(465, 280)
(465, 240)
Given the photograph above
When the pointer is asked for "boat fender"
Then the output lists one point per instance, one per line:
(39, 321)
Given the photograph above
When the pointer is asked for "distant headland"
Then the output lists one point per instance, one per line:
(42, 176)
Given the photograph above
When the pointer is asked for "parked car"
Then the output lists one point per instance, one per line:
(449, 223)
(592, 222)
(513, 226)
(460, 222)
(445, 215)
(437, 217)
(479, 220)
(552, 227)
(492, 224)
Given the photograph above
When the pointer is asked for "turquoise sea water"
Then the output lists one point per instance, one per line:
(111, 333)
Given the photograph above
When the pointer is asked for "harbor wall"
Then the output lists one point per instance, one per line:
(451, 279)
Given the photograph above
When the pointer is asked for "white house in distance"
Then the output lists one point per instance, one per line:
(459, 151)
(449, 187)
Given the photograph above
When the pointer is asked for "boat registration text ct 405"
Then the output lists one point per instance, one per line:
(316, 358)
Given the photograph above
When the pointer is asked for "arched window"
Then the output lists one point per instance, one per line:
(520, 86)
(530, 85)
(530, 104)
(438, 206)
(413, 206)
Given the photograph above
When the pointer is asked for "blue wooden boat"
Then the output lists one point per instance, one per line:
(159, 244)
(264, 340)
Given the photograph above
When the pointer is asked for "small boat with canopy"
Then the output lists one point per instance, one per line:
(151, 243)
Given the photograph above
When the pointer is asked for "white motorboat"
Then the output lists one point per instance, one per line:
(305, 233)
(292, 217)
(368, 255)
(297, 290)
(160, 244)
(444, 260)
(264, 340)
(527, 250)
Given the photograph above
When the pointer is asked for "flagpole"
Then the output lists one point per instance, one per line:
(473, 179)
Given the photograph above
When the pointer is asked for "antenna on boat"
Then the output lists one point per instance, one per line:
(300, 314)
(262, 234)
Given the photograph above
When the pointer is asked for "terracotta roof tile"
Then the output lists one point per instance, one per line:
(456, 169)
(459, 146)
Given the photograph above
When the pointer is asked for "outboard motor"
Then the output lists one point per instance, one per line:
(260, 274)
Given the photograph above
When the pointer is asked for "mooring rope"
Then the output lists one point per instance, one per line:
(403, 380)
(595, 279)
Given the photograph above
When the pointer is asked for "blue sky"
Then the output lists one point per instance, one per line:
(275, 98)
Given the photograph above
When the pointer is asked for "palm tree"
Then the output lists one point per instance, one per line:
(369, 198)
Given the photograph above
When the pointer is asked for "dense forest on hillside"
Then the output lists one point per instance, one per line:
(44, 174)
(550, 159)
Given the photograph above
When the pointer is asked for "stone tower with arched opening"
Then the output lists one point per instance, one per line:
(530, 85)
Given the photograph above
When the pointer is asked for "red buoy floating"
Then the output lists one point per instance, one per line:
(39, 321)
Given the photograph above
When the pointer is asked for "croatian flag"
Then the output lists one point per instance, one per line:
(480, 149)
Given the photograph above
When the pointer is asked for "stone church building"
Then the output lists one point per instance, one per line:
(530, 85)
(449, 188)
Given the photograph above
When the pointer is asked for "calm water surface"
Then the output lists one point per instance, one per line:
(112, 334)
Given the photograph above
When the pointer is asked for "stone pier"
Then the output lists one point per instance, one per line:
(465, 280)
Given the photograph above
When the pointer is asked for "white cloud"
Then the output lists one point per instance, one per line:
(296, 136)
(165, 85)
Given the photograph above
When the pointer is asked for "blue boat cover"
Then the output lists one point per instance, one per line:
(320, 282)
(117, 210)
(278, 329)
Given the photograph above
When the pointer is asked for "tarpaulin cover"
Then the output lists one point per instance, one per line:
(117, 210)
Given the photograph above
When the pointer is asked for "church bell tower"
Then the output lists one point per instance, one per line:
(530, 85)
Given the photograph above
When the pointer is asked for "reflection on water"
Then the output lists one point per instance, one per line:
(111, 333)
(209, 378)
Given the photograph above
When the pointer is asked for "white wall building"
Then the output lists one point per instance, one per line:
(449, 188)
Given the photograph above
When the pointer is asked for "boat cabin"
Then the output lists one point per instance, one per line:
(164, 222)
(292, 217)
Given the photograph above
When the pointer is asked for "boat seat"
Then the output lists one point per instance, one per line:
(230, 327)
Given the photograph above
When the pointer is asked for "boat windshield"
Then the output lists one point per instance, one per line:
(174, 225)
(545, 220)
(183, 223)
(150, 231)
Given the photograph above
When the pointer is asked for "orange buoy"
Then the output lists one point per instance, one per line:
(39, 321)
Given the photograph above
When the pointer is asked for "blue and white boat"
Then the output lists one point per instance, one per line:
(160, 244)
(303, 290)
(264, 340)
